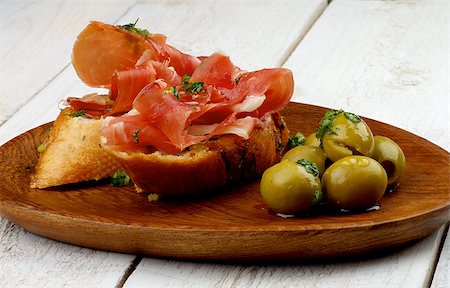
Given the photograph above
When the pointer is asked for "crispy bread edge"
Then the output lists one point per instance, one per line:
(72, 153)
(206, 168)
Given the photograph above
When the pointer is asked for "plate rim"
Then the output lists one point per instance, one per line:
(441, 211)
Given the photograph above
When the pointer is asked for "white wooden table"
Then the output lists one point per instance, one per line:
(384, 60)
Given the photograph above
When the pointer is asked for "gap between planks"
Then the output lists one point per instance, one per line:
(291, 48)
(283, 60)
(438, 254)
(129, 271)
(63, 69)
(315, 16)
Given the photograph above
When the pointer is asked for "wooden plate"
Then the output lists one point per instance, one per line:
(233, 225)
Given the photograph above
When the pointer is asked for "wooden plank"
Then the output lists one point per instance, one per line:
(44, 107)
(387, 60)
(255, 34)
(442, 274)
(58, 267)
(249, 48)
(338, 50)
(36, 43)
(36, 39)
(400, 269)
(28, 260)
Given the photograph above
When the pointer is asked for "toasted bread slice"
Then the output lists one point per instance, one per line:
(72, 153)
(206, 167)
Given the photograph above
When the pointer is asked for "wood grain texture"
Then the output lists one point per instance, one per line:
(375, 58)
(194, 34)
(407, 268)
(41, 262)
(255, 34)
(47, 92)
(36, 43)
(238, 228)
(404, 268)
(384, 59)
(442, 274)
(36, 39)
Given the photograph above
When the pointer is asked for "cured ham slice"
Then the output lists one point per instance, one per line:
(126, 85)
(101, 49)
(92, 104)
(133, 134)
(241, 127)
(276, 84)
(185, 123)
(177, 100)
(217, 70)
(182, 63)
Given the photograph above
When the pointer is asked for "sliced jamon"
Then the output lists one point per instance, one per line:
(177, 100)
(102, 49)
(126, 85)
(185, 122)
(216, 70)
(92, 105)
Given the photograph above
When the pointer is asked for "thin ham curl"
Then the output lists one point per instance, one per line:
(127, 84)
(166, 100)
(185, 123)
(93, 105)
(102, 49)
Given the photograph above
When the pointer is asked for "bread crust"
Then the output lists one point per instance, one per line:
(207, 167)
(175, 176)
(72, 153)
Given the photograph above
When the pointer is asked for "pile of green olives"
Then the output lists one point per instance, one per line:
(342, 165)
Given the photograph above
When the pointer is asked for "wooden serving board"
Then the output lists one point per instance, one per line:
(233, 225)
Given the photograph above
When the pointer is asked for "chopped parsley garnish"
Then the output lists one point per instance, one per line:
(327, 122)
(318, 196)
(153, 197)
(352, 117)
(191, 87)
(132, 28)
(41, 148)
(185, 80)
(296, 140)
(195, 87)
(175, 92)
(309, 167)
(237, 79)
(79, 113)
(120, 178)
(135, 135)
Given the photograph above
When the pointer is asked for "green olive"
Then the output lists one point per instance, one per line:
(311, 153)
(348, 137)
(288, 188)
(354, 182)
(312, 140)
(391, 157)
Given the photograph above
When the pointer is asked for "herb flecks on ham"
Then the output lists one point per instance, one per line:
(162, 99)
